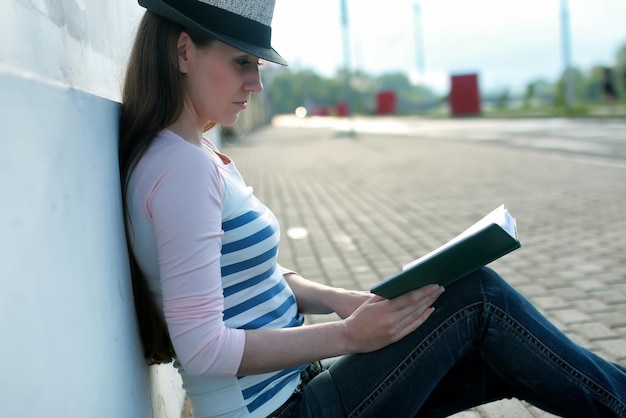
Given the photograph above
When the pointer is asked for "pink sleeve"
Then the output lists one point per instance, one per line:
(185, 205)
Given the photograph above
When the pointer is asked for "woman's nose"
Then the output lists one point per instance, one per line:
(254, 83)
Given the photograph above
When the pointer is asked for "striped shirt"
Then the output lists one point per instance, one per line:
(208, 249)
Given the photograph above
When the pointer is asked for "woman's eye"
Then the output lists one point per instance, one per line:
(244, 62)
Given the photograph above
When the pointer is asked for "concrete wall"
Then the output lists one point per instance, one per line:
(69, 342)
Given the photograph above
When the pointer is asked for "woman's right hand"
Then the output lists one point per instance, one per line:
(375, 324)
(380, 322)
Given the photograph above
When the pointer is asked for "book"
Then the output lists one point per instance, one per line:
(492, 237)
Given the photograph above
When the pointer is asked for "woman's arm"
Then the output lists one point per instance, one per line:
(178, 189)
(317, 298)
(375, 324)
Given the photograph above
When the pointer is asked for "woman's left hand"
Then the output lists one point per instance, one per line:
(317, 298)
(349, 301)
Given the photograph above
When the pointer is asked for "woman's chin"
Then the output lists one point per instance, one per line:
(229, 121)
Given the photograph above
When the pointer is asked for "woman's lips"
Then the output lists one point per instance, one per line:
(241, 105)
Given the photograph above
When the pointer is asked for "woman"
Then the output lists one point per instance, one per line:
(210, 295)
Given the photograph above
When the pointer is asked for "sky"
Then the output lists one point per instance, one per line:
(507, 43)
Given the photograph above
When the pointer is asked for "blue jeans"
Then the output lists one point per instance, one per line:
(484, 342)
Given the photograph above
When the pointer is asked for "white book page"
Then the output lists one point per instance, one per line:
(499, 216)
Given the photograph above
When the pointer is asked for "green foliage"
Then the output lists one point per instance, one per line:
(503, 99)
(588, 84)
(620, 72)
(286, 90)
(411, 98)
(620, 58)
(538, 92)
(579, 83)
(529, 95)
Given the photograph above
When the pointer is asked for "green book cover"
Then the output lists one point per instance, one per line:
(487, 240)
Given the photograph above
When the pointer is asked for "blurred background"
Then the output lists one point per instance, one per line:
(408, 57)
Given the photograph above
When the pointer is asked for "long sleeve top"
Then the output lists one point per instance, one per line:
(208, 249)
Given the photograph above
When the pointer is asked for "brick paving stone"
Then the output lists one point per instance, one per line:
(538, 413)
(570, 293)
(588, 268)
(589, 285)
(580, 340)
(467, 414)
(508, 408)
(612, 319)
(376, 201)
(615, 298)
(620, 330)
(595, 331)
(549, 303)
(571, 316)
(615, 347)
(590, 306)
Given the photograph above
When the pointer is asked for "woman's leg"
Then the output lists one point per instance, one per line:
(469, 383)
(480, 314)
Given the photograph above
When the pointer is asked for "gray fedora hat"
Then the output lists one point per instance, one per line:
(245, 25)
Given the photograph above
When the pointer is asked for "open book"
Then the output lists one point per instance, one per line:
(487, 240)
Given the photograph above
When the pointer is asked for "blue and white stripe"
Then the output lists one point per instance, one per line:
(256, 295)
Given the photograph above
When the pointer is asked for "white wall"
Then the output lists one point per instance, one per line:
(69, 343)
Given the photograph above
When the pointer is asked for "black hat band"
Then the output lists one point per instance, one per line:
(224, 22)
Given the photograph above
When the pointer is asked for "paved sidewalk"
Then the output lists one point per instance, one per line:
(353, 209)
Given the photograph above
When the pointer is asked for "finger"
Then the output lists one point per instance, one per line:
(413, 322)
(417, 312)
(424, 295)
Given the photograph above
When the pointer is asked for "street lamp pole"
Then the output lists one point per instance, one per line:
(347, 63)
(568, 75)
(345, 34)
(419, 44)
(346, 52)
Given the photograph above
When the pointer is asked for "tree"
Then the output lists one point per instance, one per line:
(411, 98)
(620, 70)
(288, 90)
(579, 86)
(620, 57)
(529, 95)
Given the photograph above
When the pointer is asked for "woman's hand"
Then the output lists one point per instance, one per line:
(379, 322)
(350, 301)
(317, 298)
(371, 323)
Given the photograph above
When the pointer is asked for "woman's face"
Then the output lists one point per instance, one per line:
(218, 82)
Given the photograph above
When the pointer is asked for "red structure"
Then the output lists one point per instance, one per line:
(343, 109)
(320, 111)
(464, 97)
(386, 103)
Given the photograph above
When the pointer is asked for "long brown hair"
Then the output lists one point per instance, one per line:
(152, 99)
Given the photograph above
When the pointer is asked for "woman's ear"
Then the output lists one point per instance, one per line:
(182, 51)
